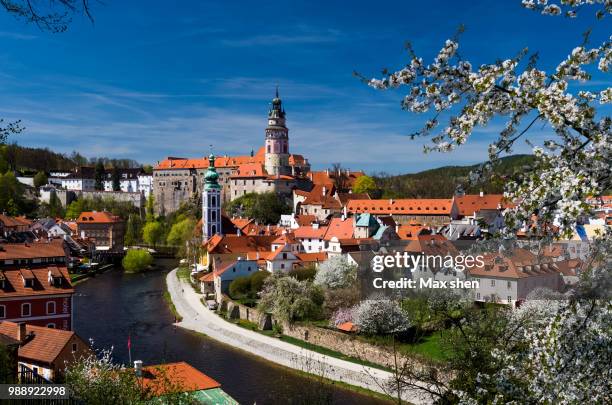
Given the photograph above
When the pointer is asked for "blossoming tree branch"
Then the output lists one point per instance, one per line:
(570, 166)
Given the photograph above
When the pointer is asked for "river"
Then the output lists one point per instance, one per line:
(113, 305)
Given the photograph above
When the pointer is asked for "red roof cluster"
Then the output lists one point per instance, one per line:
(413, 206)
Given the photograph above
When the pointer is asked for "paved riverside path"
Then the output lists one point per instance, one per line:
(198, 318)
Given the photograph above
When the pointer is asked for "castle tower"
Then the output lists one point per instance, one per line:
(211, 202)
(277, 140)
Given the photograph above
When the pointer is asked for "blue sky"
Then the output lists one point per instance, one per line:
(152, 79)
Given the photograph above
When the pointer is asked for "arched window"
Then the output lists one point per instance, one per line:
(50, 308)
(213, 200)
(268, 148)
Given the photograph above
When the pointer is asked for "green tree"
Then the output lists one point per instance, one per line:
(364, 184)
(40, 179)
(75, 208)
(150, 208)
(133, 230)
(265, 208)
(11, 194)
(56, 210)
(99, 175)
(116, 178)
(148, 169)
(240, 287)
(136, 260)
(152, 233)
(181, 232)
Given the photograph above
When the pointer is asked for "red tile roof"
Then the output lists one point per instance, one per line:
(14, 285)
(305, 220)
(520, 263)
(432, 206)
(94, 217)
(341, 229)
(407, 232)
(470, 203)
(432, 245)
(239, 244)
(12, 251)
(308, 232)
(167, 378)
(250, 170)
(202, 163)
(312, 257)
(44, 346)
(12, 222)
(347, 327)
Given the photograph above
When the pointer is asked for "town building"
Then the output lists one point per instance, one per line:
(103, 228)
(35, 285)
(9, 225)
(428, 212)
(45, 351)
(508, 277)
(226, 272)
(271, 169)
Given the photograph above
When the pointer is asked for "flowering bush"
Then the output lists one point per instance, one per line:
(380, 316)
(336, 272)
(342, 315)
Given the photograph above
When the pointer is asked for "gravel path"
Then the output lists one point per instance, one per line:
(198, 318)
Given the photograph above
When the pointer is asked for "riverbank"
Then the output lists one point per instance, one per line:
(198, 318)
(79, 278)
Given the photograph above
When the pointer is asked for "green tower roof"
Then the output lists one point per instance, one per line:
(211, 178)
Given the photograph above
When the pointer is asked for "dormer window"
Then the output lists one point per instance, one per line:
(28, 278)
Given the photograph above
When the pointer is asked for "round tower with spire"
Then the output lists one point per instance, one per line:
(211, 201)
(277, 140)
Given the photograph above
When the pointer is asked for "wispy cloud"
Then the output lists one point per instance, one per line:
(16, 35)
(304, 35)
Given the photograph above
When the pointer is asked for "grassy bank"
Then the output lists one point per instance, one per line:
(168, 300)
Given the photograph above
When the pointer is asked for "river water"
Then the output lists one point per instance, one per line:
(113, 305)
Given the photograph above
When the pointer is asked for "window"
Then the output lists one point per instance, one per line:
(26, 309)
(492, 283)
(282, 265)
(50, 308)
(2, 311)
(284, 255)
(213, 200)
(509, 299)
(74, 347)
(51, 325)
(214, 215)
(509, 284)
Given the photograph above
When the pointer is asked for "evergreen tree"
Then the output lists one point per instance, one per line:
(99, 175)
(132, 233)
(116, 177)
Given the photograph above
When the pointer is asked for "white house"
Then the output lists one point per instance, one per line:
(311, 237)
(225, 273)
(281, 259)
(145, 184)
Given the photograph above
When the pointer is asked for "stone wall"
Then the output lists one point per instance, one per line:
(344, 343)
(137, 199)
(235, 310)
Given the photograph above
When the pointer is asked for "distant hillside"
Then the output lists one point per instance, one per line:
(443, 181)
(32, 160)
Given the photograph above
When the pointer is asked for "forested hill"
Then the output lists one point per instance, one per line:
(33, 160)
(443, 181)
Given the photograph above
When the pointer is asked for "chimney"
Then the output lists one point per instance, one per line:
(21, 332)
(324, 191)
(138, 368)
(481, 193)
(327, 172)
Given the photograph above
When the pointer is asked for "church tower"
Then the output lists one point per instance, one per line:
(211, 202)
(277, 140)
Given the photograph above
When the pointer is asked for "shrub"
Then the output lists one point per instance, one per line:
(257, 281)
(303, 273)
(136, 260)
(240, 287)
